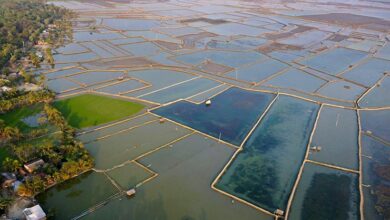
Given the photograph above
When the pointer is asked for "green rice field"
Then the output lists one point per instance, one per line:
(91, 110)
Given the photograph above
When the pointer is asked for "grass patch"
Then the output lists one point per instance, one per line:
(14, 117)
(91, 110)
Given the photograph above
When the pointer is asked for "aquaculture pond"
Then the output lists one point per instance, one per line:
(92, 133)
(94, 77)
(182, 188)
(337, 136)
(228, 58)
(151, 35)
(127, 145)
(324, 193)
(201, 97)
(335, 60)
(231, 29)
(159, 79)
(62, 85)
(74, 58)
(341, 90)
(72, 48)
(80, 36)
(62, 73)
(384, 52)
(68, 199)
(239, 44)
(376, 169)
(230, 116)
(122, 87)
(378, 96)
(376, 123)
(141, 49)
(265, 171)
(130, 24)
(258, 71)
(369, 72)
(102, 50)
(305, 39)
(183, 90)
(296, 79)
(129, 175)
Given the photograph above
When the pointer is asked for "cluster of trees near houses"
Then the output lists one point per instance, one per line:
(24, 25)
(64, 156)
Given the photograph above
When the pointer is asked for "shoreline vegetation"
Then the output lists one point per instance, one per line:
(38, 148)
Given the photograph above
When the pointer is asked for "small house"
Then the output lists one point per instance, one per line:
(6, 89)
(39, 54)
(34, 165)
(279, 212)
(34, 213)
(130, 192)
(52, 26)
(28, 87)
(13, 75)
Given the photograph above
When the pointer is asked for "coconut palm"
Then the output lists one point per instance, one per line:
(11, 165)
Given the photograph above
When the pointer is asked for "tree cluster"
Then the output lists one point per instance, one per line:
(22, 24)
(64, 157)
(15, 99)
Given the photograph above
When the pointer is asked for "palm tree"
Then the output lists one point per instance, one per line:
(5, 202)
(10, 133)
(46, 149)
(11, 164)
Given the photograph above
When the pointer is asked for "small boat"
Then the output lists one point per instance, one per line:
(130, 192)
(120, 78)
(208, 102)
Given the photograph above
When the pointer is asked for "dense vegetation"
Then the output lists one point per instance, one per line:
(28, 31)
(10, 101)
(53, 141)
(22, 23)
(64, 156)
(91, 110)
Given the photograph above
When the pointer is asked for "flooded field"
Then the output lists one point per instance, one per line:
(337, 136)
(259, 174)
(253, 110)
(315, 196)
(221, 120)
